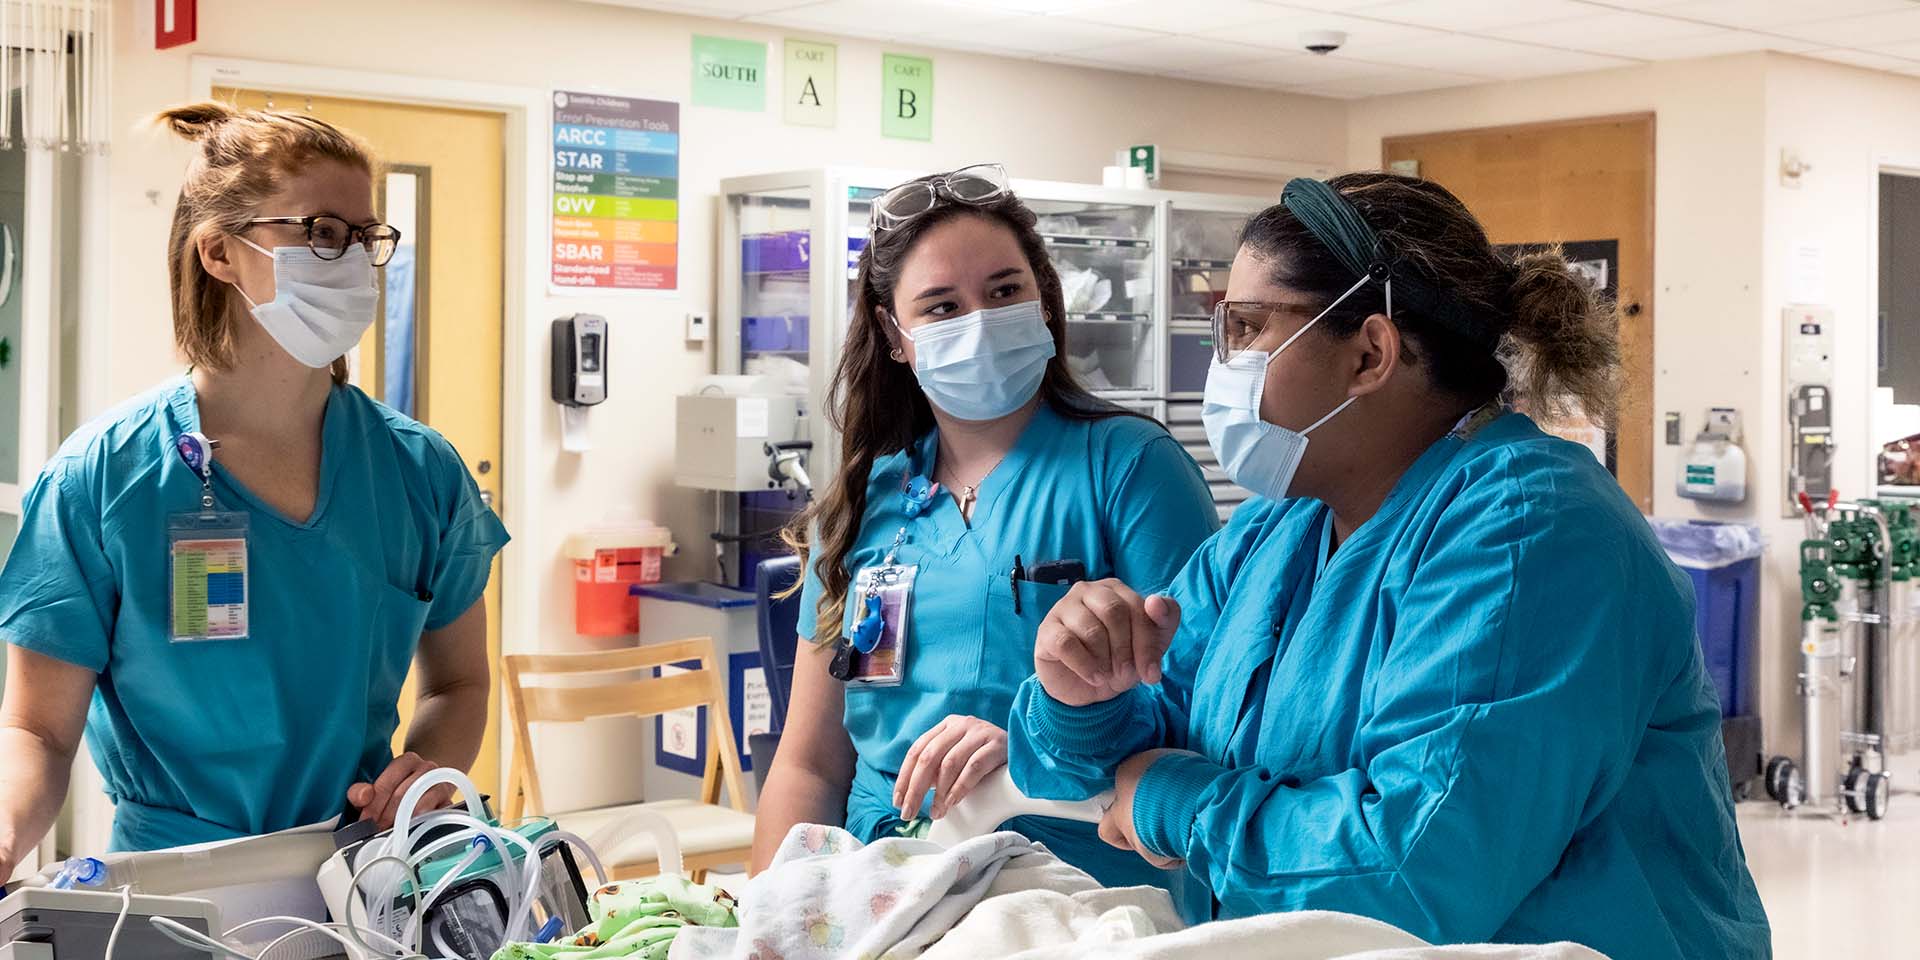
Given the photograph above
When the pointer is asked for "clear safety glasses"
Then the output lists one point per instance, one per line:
(976, 185)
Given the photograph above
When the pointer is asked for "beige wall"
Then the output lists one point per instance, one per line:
(1724, 227)
(1047, 122)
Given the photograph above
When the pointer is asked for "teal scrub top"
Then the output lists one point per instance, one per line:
(1118, 494)
(210, 740)
(1485, 718)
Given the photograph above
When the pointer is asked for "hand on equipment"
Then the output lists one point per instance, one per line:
(379, 801)
(1116, 828)
(950, 759)
(1100, 640)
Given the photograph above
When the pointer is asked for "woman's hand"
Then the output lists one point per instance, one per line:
(379, 801)
(951, 759)
(1116, 828)
(1100, 640)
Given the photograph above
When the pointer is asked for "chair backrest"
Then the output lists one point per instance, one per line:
(620, 695)
(779, 625)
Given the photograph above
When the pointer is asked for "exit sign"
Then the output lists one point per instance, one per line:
(1147, 157)
(174, 23)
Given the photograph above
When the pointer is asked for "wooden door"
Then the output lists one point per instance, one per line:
(436, 351)
(1575, 182)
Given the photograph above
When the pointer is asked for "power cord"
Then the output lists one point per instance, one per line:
(126, 907)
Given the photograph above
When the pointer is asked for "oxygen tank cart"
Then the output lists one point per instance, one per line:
(1856, 568)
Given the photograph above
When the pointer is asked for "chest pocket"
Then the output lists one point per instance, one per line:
(1006, 656)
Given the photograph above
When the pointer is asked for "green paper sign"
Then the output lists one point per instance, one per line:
(812, 82)
(906, 97)
(731, 74)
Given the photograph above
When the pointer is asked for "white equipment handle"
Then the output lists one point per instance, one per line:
(996, 800)
(612, 840)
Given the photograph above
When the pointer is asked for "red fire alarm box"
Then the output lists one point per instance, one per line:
(173, 23)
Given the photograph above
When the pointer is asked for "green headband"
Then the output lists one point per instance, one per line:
(1338, 226)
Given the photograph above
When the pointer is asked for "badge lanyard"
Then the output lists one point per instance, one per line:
(875, 650)
(208, 580)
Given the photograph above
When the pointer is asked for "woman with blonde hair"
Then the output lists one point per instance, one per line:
(224, 581)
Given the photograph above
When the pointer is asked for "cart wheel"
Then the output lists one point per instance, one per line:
(1854, 788)
(1879, 791)
(1777, 778)
(1743, 791)
(1792, 791)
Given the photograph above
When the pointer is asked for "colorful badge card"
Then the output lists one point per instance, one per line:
(616, 192)
(731, 74)
(906, 97)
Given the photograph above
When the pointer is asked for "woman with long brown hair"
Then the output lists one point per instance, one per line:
(1440, 673)
(237, 568)
(976, 476)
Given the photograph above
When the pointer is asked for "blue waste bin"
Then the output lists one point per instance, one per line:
(1723, 559)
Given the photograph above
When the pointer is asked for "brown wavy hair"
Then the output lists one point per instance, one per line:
(1540, 336)
(876, 406)
(244, 157)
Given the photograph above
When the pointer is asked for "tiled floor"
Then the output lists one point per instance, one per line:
(1848, 890)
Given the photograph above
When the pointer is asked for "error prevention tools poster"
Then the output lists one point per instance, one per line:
(616, 193)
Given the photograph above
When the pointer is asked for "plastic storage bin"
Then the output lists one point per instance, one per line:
(676, 745)
(776, 252)
(1723, 559)
(608, 560)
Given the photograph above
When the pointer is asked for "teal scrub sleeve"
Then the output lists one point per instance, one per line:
(473, 534)
(1159, 512)
(1059, 752)
(57, 594)
(1514, 698)
(807, 624)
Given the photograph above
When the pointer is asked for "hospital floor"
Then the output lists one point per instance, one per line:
(1840, 889)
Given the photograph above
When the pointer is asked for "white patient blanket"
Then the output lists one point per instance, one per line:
(827, 895)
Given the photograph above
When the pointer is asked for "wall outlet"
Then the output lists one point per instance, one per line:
(696, 328)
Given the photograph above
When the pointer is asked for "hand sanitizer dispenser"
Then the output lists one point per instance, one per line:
(1715, 468)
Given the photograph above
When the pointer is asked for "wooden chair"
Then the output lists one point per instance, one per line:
(710, 835)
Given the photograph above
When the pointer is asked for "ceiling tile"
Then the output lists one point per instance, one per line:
(1475, 16)
(1766, 14)
(1873, 29)
(714, 9)
(1290, 70)
(1910, 49)
(888, 19)
(1282, 32)
(1172, 55)
(1387, 84)
(1487, 57)
(1718, 44)
(1187, 16)
(1331, 6)
(1866, 58)
(1617, 33)
(1046, 7)
(1029, 35)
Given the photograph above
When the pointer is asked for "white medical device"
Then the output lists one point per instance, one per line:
(580, 360)
(996, 800)
(741, 435)
(79, 923)
(1715, 467)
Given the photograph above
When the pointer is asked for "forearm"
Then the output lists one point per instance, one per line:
(1059, 752)
(795, 794)
(33, 786)
(448, 724)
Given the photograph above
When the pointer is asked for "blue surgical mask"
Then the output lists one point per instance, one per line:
(1255, 454)
(985, 365)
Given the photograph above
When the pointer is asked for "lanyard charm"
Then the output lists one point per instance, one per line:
(196, 451)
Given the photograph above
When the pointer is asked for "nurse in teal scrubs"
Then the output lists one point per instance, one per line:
(1440, 674)
(232, 636)
(972, 465)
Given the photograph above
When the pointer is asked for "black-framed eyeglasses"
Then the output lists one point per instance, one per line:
(978, 184)
(330, 237)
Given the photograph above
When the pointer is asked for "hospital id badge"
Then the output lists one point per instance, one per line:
(207, 577)
(892, 587)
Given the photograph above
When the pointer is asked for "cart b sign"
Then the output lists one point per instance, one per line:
(906, 104)
(812, 83)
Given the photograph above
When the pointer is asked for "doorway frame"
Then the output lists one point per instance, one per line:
(1898, 165)
(528, 129)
